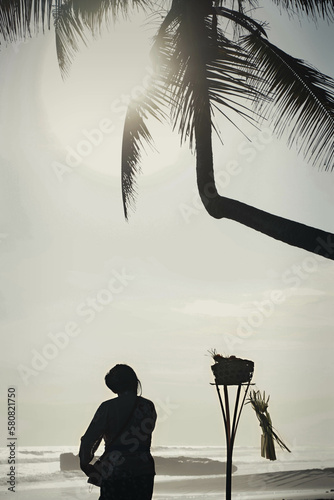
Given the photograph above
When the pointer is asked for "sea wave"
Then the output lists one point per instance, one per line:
(29, 460)
(42, 464)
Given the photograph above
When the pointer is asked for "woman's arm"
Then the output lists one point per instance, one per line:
(91, 440)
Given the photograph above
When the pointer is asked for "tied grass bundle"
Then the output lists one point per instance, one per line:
(260, 406)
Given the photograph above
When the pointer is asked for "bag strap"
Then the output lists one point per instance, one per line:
(122, 428)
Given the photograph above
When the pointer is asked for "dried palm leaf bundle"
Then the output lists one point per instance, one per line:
(269, 436)
(230, 370)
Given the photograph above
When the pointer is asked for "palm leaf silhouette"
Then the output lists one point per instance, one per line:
(311, 8)
(135, 135)
(19, 18)
(200, 69)
(301, 99)
(73, 18)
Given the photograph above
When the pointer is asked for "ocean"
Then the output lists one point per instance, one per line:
(39, 466)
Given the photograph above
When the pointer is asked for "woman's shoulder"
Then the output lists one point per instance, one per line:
(108, 403)
(114, 402)
(145, 400)
(146, 405)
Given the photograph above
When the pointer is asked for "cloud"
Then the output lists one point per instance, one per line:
(305, 291)
(214, 308)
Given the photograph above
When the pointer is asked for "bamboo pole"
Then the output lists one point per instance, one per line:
(230, 431)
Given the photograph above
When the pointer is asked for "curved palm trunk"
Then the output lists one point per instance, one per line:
(290, 232)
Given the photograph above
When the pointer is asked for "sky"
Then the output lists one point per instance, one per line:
(82, 289)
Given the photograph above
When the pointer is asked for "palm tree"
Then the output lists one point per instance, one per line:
(200, 68)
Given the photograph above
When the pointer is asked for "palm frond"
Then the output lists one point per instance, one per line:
(196, 63)
(73, 17)
(312, 8)
(19, 18)
(242, 20)
(70, 32)
(135, 135)
(240, 4)
(301, 100)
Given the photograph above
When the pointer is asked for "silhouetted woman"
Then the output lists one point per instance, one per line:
(126, 469)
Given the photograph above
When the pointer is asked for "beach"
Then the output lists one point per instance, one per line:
(306, 485)
(290, 479)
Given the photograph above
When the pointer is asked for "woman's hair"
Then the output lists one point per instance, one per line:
(122, 378)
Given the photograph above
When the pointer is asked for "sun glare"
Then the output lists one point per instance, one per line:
(85, 112)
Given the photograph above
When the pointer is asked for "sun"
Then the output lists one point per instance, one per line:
(84, 114)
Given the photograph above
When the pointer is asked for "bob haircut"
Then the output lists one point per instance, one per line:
(122, 378)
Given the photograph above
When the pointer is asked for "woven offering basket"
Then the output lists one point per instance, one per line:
(232, 371)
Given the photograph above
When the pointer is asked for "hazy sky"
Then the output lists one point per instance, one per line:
(82, 289)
